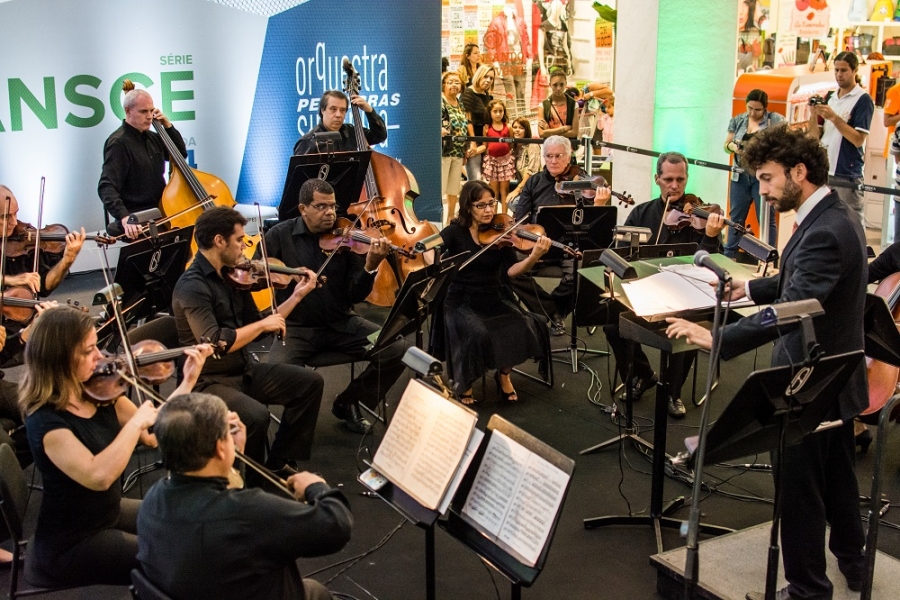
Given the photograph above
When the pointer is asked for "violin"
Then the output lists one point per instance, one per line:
(343, 235)
(574, 173)
(689, 211)
(52, 239)
(521, 237)
(251, 275)
(19, 306)
(155, 365)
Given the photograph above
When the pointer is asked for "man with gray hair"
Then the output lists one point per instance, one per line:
(134, 162)
(538, 191)
(199, 539)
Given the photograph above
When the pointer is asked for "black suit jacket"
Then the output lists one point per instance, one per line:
(825, 259)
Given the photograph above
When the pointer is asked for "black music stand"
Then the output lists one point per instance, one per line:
(150, 268)
(583, 228)
(518, 573)
(345, 171)
(776, 408)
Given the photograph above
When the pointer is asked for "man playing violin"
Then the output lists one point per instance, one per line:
(333, 107)
(134, 161)
(538, 191)
(206, 307)
(198, 539)
(18, 271)
(672, 178)
(325, 320)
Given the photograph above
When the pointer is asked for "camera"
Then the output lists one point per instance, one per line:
(817, 100)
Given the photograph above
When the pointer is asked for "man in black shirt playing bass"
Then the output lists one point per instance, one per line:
(325, 320)
(206, 307)
(333, 108)
(134, 160)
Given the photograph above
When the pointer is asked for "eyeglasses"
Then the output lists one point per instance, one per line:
(554, 156)
(484, 205)
(323, 207)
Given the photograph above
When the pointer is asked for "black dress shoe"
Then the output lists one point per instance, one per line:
(781, 594)
(639, 385)
(676, 408)
(557, 324)
(352, 417)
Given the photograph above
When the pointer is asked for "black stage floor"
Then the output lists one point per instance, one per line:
(611, 562)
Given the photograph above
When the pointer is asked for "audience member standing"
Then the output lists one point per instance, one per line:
(454, 121)
(475, 99)
(846, 119)
(499, 162)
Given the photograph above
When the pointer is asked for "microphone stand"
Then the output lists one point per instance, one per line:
(692, 558)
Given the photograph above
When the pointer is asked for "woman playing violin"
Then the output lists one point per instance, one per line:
(85, 529)
(485, 328)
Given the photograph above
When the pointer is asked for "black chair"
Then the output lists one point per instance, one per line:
(13, 503)
(145, 589)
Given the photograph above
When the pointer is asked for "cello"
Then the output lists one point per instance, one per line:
(189, 191)
(390, 186)
(882, 377)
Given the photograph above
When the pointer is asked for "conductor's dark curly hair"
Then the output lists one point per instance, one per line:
(787, 147)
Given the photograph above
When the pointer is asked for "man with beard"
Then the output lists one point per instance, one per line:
(825, 259)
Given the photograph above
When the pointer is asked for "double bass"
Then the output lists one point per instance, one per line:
(882, 377)
(189, 191)
(390, 186)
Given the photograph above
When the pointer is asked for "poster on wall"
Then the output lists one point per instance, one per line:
(808, 18)
(604, 52)
(785, 50)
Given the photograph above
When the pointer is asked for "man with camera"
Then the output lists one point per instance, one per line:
(846, 117)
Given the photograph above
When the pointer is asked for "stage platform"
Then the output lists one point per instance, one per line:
(734, 564)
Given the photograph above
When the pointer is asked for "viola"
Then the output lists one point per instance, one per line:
(155, 364)
(251, 275)
(521, 237)
(19, 305)
(574, 173)
(689, 211)
(343, 235)
(52, 239)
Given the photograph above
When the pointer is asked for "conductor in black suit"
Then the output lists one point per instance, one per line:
(825, 259)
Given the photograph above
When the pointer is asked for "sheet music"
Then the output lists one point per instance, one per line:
(515, 497)
(471, 449)
(424, 445)
(674, 289)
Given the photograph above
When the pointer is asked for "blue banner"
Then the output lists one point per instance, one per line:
(395, 47)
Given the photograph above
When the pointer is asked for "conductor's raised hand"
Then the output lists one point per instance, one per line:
(694, 334)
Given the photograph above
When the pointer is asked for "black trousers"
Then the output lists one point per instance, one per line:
(369, 387)
(539, 301)
(298, 389)
(820, 488)
(103, 558)
(679, 364)
(11, 421)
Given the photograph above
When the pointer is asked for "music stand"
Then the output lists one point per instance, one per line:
(763, 417)
(150, 268)
(345, 171)
(584, 228)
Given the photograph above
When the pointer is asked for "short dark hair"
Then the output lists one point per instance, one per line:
(788, 148)
(673, 158)
(758, 96)
(556, 72)
(311, 186)
(323, 101)
(187, 428)
(849, 58)
(470, 194)
(219, 220)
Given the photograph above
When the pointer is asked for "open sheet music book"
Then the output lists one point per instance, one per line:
(424, 446)
(515, 497)
(675, 289)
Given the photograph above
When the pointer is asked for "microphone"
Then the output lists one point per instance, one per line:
(703, 259)
(575, 186)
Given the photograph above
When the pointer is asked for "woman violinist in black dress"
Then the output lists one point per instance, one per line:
(485, 328)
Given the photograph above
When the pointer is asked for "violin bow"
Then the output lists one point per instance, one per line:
(37, 233)
(499, 237)
(663, 220)
(115, 301)
(156, 398)
(7, 203)
(265, 257)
